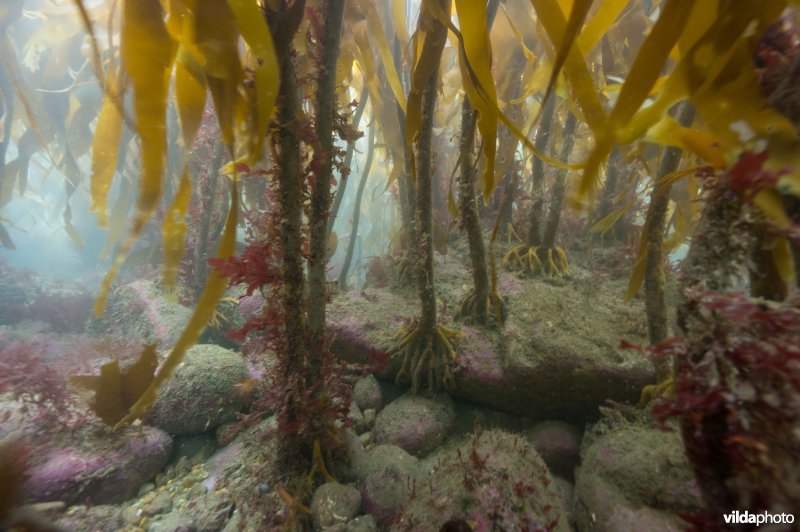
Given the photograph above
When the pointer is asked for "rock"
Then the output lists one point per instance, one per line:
(558, 444)
(362, 523)
(367, 393)
(176, 521)
(634, 477)
(494, 479)
(202, 393)
(566, 491)
(356, 418)
(369, 418)
(98, 467)
(558, 355)
(351, 457)
(415, 423)
(212, 511)
(161, 504)
(334, 503)
(385, 476)
(195, 448)
(101, 518)
(141, 311)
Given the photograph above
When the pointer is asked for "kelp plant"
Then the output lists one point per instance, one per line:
(425, 346)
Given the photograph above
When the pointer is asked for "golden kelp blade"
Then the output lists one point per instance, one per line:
(599, 24)
(190, 95)
(481, 94)
(379, 38)
(580, 8)
(478, 71)
(575, 70)
(669, 132)
(147, 53)
(399, 20)
(116, 390)
(203, 312)
(105, 151)
(217, 37)
(642, 77)
(256, 34)
(433, 41)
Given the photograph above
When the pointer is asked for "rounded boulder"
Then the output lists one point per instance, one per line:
(202, 393)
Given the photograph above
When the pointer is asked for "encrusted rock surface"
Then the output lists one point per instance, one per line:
(202, 393)
(634, 477)
(98, 470)
(416, 424)
(558, 356)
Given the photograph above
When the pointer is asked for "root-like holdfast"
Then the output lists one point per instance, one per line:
(428, 354)
(550, 261)
(494, 308)
(651, 392)
(296, 507)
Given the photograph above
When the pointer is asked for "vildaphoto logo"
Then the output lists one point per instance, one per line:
(761, 518)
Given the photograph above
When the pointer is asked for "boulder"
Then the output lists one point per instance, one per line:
(495, 480)
(367, 393)
(333, 504)
(385, 477)
(557, 357)
(202, 393)
(97, 467)
(414, 423)
(559, 444)
(634, 477)
(141, 311)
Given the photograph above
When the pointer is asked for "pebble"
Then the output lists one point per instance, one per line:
(161, 504)
(365, 438)
(369, 418)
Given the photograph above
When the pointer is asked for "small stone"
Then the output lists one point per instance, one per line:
(362, 523)
(367, 393)
(415, 423)
(161, 504)
(369, 418)
(183, 465)
(558, 443)
(334, 503)
(356, 418)
(131, 514)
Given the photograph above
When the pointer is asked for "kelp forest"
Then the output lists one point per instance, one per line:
(403, 265)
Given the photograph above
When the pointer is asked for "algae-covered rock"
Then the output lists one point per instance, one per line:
(558, 443)
(334, 504)
(202, 393)
(367, 393)
(98, 467)
(634, 477)
(385, 476)
(495, 480)
(415, 423)
(141, 311)
(557, 357)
